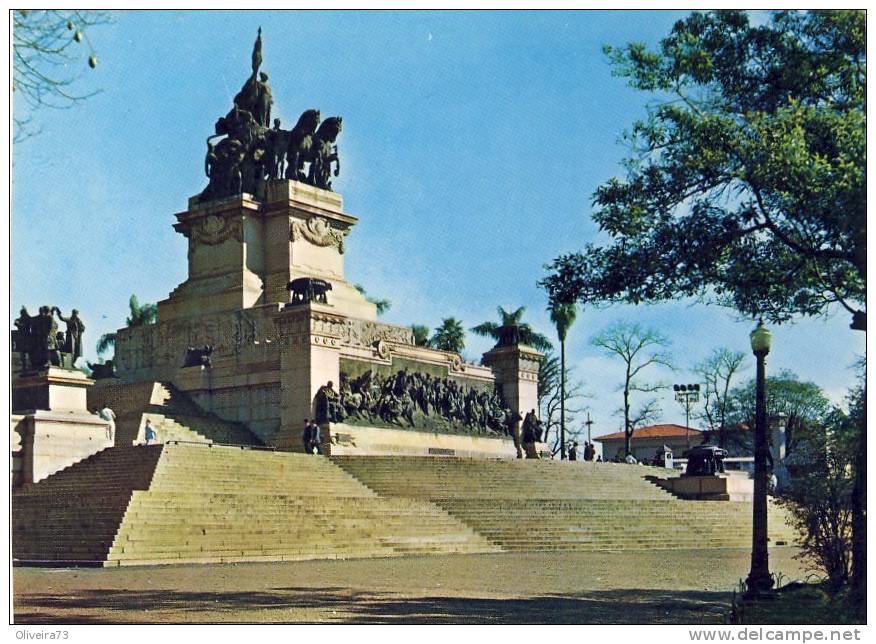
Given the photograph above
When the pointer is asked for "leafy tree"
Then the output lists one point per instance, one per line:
(421, 335)
(450, 336)
(382, 305)
(802, 403)
(639, 349)
(563, 316)
(717, 372)
(513, 318)
(819, 497)
(746, 182)
(45, 44)
(141, 315)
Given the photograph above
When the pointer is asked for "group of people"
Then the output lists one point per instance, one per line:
(589, 453)
(40, 343)
(398, 399)
(104, 412)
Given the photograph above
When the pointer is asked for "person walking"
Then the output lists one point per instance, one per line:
(149, 432)
(573, 452)
(109, 416)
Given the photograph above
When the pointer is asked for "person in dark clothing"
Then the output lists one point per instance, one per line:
(573, 452)
(307, 437)
(315, 439)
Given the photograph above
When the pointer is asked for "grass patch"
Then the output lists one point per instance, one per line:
(798, 603)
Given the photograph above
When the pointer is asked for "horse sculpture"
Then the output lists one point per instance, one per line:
(323, 152)
(300, 144)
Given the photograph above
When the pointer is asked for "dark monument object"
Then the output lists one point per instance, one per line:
(198, 356)
(103, 370)
(75, 329)
(40, 344)
(705, 460)
(250, 152)
(308, 289)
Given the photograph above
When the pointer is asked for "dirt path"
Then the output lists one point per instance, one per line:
(681, 586)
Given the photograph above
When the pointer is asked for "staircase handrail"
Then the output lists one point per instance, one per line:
(265, 448)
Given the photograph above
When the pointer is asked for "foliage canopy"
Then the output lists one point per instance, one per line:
(746, 182)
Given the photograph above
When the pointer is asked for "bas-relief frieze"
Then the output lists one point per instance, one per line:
(318, 231)
(363, 333)
(165, 344)
(211, 230)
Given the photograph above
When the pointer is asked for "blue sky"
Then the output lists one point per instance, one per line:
(472, 145)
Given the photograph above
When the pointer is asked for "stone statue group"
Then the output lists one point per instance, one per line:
(400, 398)
(252, 151)
(39, 342)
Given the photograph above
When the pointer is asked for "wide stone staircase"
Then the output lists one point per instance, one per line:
(176, 417)
(549, 505)
(184, 503)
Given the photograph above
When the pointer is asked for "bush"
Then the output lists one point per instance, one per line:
(820, 494)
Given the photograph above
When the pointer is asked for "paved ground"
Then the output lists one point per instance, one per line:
(681, 586)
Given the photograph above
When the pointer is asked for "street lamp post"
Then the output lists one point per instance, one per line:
(687, 395)
(759, 580)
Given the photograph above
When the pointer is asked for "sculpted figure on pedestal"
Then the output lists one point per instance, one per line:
(23, 337)
(252, 152)
(75, 329)
(44, 337)
(300, 144)
(324, 152)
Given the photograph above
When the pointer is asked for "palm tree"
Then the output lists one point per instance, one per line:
(140, 316)
(421, 335)
(512, 318)
(381, 304)
(563, 316)
(450, 336)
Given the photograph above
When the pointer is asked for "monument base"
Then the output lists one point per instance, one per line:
(44, 442)
(350, 440)
(722, 487)
(53, 389)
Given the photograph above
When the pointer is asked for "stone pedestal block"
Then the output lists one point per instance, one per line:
(45, 442)
(725, 487)
(244, 250)
(310, 343)
(516, 371)
(53, 389)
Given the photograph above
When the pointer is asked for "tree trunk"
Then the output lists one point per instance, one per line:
(562, 400)
(628, 434)
(859, 518)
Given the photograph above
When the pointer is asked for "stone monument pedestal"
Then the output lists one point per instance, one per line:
(52, 389)
(51, 427)
(718, 487)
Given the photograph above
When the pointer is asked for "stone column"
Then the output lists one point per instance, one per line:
(310, 338)
(515, 368)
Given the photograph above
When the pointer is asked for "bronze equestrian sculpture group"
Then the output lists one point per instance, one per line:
(250, 151)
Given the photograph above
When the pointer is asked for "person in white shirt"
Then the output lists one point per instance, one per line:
(109, 416)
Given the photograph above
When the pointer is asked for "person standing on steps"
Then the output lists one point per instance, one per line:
(109, 416)
(149, 432)
(307, 436)
(315, 439)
